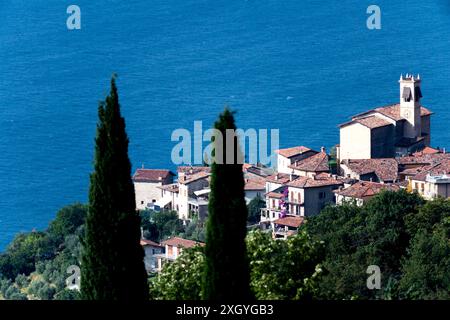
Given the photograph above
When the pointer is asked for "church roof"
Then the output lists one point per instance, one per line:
(391, 111)
(373, 122)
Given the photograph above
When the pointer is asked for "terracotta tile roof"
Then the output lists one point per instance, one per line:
(390, 111)
(290, 221)
(413, 171)
(173, 187)
(426, 150)
(373, 122)
(320, 180)
(315, 163)
(180, 242)
(429, 158)
(393, 111)
(192, 169)
(364, 189)
(145, 242)
(280, 178)
(274, 195)
(441, 168)
(255, 184)
(151, 175)
(386, 169)
(292, 152)
(186, 179)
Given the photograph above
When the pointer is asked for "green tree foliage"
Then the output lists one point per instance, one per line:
(67, 220)
(284, 270)
(426, 270)
(25, 250)
(356, 237)
(181, 279)
(279, 270)
(226, 274)
(112, 265)
(386, 229)
(158, 226)
(254, 209)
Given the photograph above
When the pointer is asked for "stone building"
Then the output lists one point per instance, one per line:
(146, 185)
(388, 131)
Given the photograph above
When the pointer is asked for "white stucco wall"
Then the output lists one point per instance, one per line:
(355, 142)
(146, 192)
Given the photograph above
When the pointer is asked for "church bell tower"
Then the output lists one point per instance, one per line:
(410, 95)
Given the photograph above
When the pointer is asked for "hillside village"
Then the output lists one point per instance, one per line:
(386, 148)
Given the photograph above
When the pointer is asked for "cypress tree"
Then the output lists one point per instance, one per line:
(112, 266)
(226, 273)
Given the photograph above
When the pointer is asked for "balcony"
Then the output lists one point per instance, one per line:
(296, 201)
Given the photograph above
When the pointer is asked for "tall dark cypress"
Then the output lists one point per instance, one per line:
(226, 273)
(112, 266)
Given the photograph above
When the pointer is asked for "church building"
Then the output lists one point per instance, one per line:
(388, 131)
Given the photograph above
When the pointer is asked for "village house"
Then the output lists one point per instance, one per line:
(362, 191)
(287, 157)
(254, 187)
(383, 170)
(173, 247)
(146, 186)
(312, 165)
(276, 206)
(287, 226)
(389, 131)
(307, 196)
(433, 181)
(189, 203)
(151, 250)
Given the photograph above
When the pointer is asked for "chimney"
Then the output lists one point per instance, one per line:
(322, 149)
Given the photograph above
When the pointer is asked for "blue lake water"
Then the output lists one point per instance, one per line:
(300, 66)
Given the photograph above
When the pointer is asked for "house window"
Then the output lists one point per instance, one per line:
(142, 202)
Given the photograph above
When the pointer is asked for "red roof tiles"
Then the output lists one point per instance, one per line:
(320, 180)
(364, 189)
(180, 242)
(315, 163)
(151, 175)
(292, 152)
(290, 221)
(386, 169)
(145, 242)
